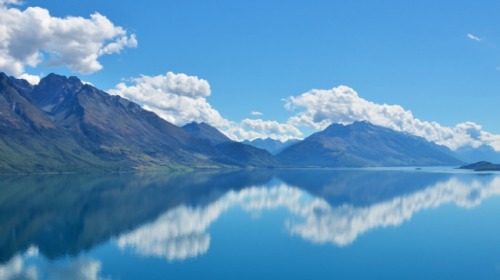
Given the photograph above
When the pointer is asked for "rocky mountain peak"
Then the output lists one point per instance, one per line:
(54, 89)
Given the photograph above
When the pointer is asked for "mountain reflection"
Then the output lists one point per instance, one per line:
(66, 214)
(182, 232)
(170, 215)
(343, 224)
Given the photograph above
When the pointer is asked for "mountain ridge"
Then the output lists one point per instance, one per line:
(273, 146)
(65, 125)
(206, 131)
(231, 152)
(362, 144)
(481, 153)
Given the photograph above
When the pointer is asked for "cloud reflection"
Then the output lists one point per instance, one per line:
(81, 269)
(342, 225)
(177, 234)
(21, 266)
(182, 232)
(16, 269)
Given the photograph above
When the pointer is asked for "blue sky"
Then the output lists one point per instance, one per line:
(439, 60)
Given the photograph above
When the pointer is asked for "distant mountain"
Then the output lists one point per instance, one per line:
(482, 166)
(273, 146)
(239, 154)
(363, 144)
(206, 131)
(230, 152)
(62, 124)
(481, 153)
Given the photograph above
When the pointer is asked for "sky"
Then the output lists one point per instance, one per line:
(274, 68)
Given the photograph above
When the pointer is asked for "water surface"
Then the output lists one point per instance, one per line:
(264, 224)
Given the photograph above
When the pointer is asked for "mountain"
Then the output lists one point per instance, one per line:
(62, 124)
(206, 131)
(481, 153)
(116, 129)
(482, 166)
(363, 144)
(242, 155)
(273, 146)
(230, 152)
(30, 140)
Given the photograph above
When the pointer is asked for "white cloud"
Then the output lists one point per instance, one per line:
(473, 37)
(118, 45)
(32, 36)
(178, 98)
(271, 129)
(256, 113)
(320, 108)
(32, 79)
(10, 2)
(251, 129)
(181, 99)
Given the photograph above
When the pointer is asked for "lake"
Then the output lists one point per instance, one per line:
(399, 223)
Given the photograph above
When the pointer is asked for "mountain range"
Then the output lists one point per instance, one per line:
(64, 125)
(481, 153)
(364, 144)
(273, 146)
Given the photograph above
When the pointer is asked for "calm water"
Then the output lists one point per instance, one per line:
(295, 224)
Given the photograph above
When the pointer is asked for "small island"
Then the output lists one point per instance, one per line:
(482, 166)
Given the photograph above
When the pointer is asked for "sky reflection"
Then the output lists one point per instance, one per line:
(183, 232)
(172, 219)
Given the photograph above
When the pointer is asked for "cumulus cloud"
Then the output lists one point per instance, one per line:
(250, 129)
(473, 37)
(10, 2)
(32, 79)
(178, 98)
(181, 99)
(272, 129)
(32, 36)
(319, 108)
(256, 113)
